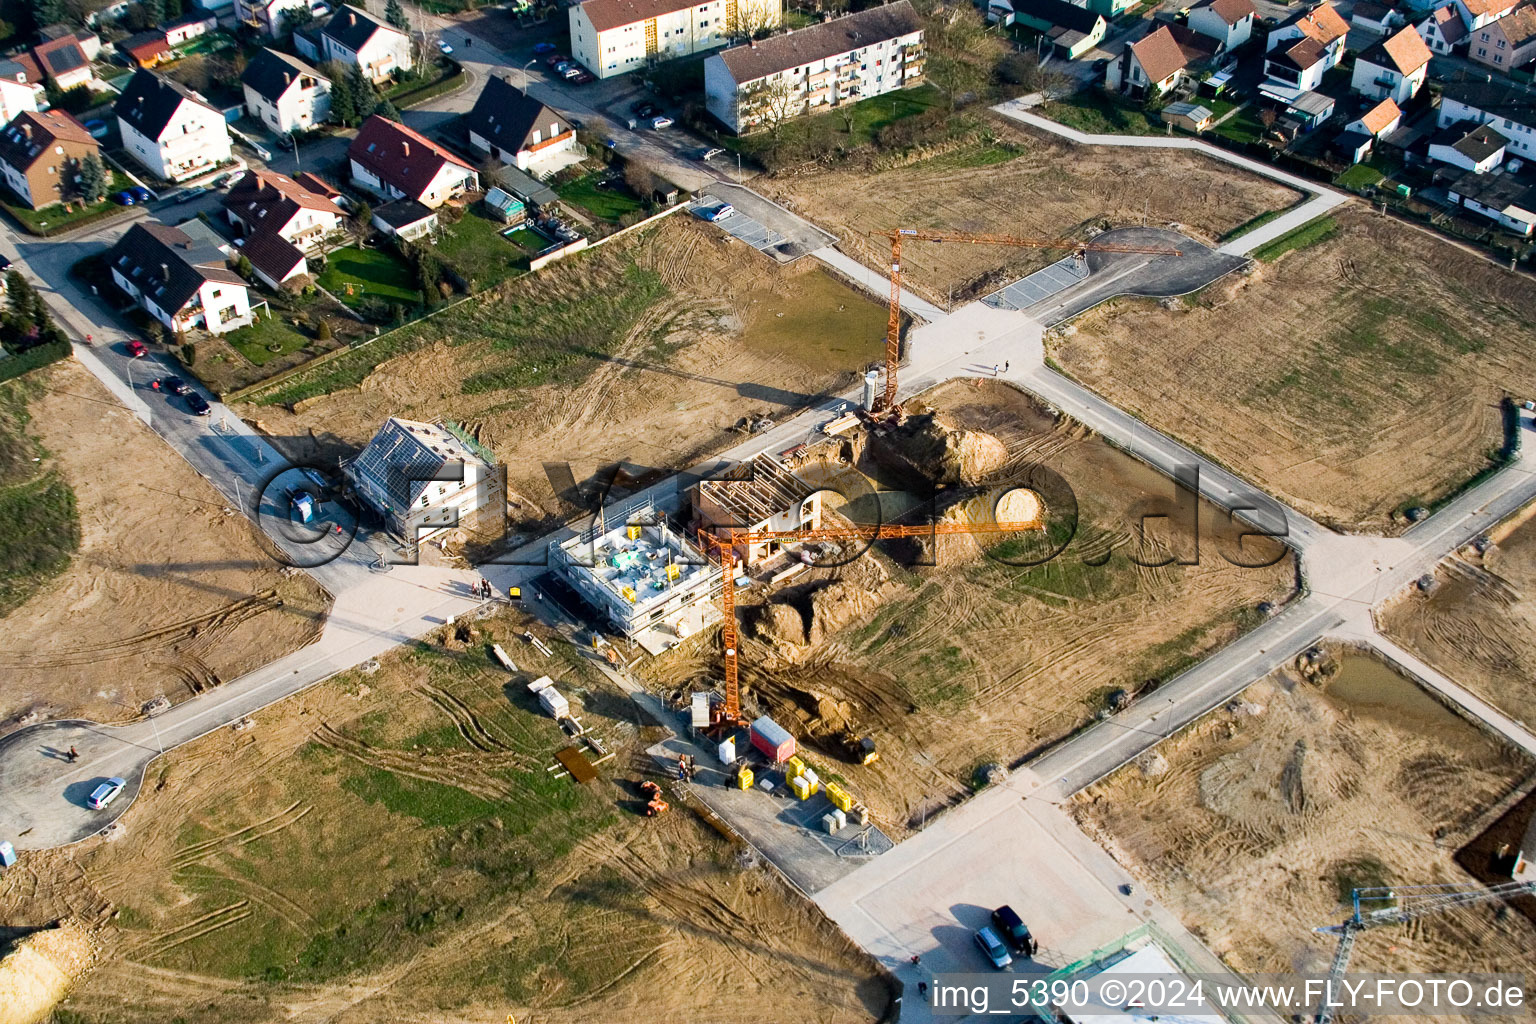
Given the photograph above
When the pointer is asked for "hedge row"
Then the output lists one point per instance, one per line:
(32, 358)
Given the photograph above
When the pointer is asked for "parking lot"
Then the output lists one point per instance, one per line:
(1042, 284)
(765, 226)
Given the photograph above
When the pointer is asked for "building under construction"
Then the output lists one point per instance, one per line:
(759, 495)
(642, 574)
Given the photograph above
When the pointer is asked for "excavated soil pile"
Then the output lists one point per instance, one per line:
(38, 972)
(930, 447)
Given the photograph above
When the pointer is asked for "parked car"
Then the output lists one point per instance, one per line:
(661, 121)
(571, 73)
(99, 129)
(192, 193)
(106, 792)
(644, 110)
(715, 213)
(1013, 930)
(135, 348)
(710, 153)
(544, 47)
(197, 403)
(141, 194)
(285, 142)
(611, 143)
(992, 948)
(583, 76)
(561, 67)
(175, 385)
(320, 9)
(125, 197)
(550, 60)
(442, 45)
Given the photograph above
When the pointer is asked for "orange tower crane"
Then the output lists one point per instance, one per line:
(728, 716)
(893, 325)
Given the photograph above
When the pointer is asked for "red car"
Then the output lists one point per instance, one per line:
(584, 77)
(136, 348)
(555, 58)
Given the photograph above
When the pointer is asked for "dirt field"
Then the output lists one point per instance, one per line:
(1256, 824)
(391, 845)
(654, 351)
(1479, 625)
(971, 661)
(169, 593)
(1354, 378)
(1052, 189)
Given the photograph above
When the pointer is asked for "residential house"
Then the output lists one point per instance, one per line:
(757, 496)
(90, 42)
(1191, 117)
(843, 60)
(1507, 43)
(1072, 30)
(1230, 22)
(284, 93)
(612, 37)
(422, 477)
(1382, 119)
(19, 91)
(1443, 31)
(269, 17)
(1477, 13)
(1110, 9)
(514, 128)
(1507, 106)
(1158, 62)
(266, 202)
(64, 63)
(1353, 146)
(1300, 50)
(146, 49)
(180, 276)
(1475, 148)
(392, 161)
(274, 260)
(352, 36)
(405, 218)
(1374, 17)
(190, 26)
(168, 129)
(1392, 68)
(41, 154)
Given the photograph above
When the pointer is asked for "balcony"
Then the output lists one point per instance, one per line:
(1384, 82)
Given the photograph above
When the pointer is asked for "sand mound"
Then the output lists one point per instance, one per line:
(932, 447)
(38, 972)
(780, 623)
(836, 606)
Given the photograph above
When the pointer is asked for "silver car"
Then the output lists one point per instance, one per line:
(105, 793)
(992, 947)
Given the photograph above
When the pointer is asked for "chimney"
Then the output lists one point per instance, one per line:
(287, 77)
(165, 272)
(351, 19)
(405, 148)
(27, 130)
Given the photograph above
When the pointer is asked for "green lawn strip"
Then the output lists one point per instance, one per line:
(39, 523)
(1093, 112)
(376, 272)
(1358, 177)
(270, 337)
(603, 203)
(1314, 231)
(476, 248)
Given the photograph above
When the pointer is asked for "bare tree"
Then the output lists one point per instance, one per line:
(766, 104)
(753, 19)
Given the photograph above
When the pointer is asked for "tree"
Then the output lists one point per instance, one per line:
(154, 11)
(955, 76)
(429, 273)
(384, 108)
(48, 12)
(640, 180)
(766, 105)
(296, 18)
(172, 9)
(93, 179)
(243, 266)
(362, 222)
(394, 13)
(343, 98)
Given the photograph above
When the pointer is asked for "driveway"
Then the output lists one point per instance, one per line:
(763, 224)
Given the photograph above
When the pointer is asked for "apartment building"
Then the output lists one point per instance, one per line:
(839, 61)
(613, 37)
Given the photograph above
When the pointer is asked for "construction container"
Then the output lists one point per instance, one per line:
(550, 699)
(840, 797)
(830, 824)
(800, 787)
(794, 767)
(840, 818)
(744, 778)
(776, 744)
(726, 751)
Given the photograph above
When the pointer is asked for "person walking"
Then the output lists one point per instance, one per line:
(922, 990)
(1006, 364)
(994, 369)
(916, 959)
(74, 755)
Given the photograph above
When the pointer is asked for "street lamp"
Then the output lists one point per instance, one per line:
(525, 74)
(298, 168)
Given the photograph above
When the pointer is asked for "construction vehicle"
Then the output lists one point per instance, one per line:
(887, 400)
(860, 749)
(654, 804)
(726, 715)
(1381, 905)
(604, 648)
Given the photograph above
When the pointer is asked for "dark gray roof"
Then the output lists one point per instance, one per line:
(149, 102)
(828, 39)
(271, 73)
(402, 460)
(1059, 12)
(169, 264)
(1351, 141)
(272, 254)
(506, 117)
(1498, 191)
(402, 213)
(353, 28)
(1499, 97)
(1476, 144)
(524, 186)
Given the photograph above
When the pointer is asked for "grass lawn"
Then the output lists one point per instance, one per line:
(1358, 177)
(603, 203)
(268, 338)
(476, 249)
(353, 274)
(1252, 224)
(1243, 126)
(875, 113)
(1217, 107)
(1092, 111)
(1310, 233)
(53, 219)
(531, 241)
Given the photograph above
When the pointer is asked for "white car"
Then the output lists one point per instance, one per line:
(717, 213)
(105, 793)
(661, 121)
(442, 44)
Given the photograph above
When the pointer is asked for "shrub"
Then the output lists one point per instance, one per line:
(323, 332)
(189, 353)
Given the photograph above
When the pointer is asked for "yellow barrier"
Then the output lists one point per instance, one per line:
(744, 779)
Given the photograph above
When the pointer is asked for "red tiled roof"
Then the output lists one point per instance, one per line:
(1406, 52)
(1495, 7)
(1380, 116)
(607, 14)
(1171, 48)
(1323, 24)
(1233, 11)
(400, 157)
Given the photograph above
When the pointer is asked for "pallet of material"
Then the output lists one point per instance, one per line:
(577, 764)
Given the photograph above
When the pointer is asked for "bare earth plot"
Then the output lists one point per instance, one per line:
(969, 661)
(1051, 189)
(1255, 824)
(650, 350)
(1353, 379)
(1479, 625)
(170, 591)
(391, 846)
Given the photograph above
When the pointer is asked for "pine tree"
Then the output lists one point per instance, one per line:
(363, 96)
(93, 179)
(48, 12)
(173, 9)
(343, 99)
(384, 108)
(154, 11)
(20, 301)
(394, 13)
